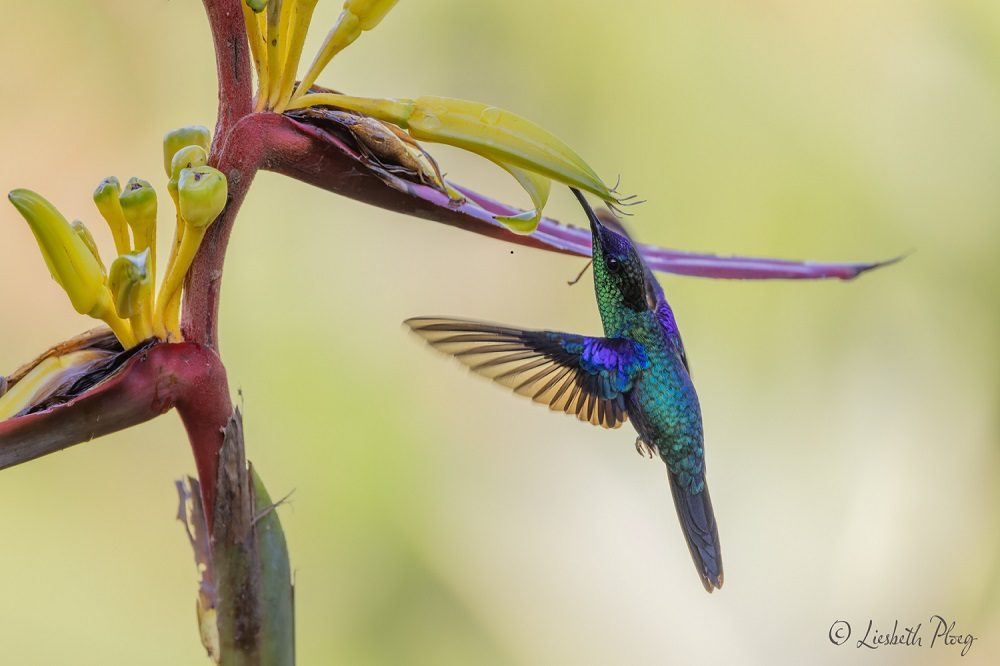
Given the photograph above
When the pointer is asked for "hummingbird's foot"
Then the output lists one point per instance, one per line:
(580, 275)
(642, 448)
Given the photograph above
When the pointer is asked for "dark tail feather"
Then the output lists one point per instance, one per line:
(702, 534)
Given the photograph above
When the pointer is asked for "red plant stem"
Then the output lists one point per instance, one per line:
(236, 159)
(205, 406)
(239, 157)
(225, 18)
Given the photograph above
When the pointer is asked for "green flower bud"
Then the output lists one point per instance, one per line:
(182, 137)
(68, 258)
(256, 6)
(106, 197)
(138, 203)
(81, 230)
(185, 158)
(201, 194)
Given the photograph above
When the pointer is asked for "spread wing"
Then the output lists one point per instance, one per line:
(579, 375)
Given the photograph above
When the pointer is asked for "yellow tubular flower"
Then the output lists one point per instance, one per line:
(129, 281)
(275, 46)
(356, 17)
(44, 378)
(106, 197)
(139, 205)
(284, 31)
(258, 47)
(185, 158)
(70, 262)
(201, 194)
(498, 135)
(301, 18)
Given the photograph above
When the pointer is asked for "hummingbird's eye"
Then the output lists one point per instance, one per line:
(613, 264)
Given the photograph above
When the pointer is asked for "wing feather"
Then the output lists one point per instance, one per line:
(583, 376)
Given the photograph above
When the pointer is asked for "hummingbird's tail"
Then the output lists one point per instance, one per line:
(700, 531)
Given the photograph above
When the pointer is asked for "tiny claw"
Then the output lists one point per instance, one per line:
(580, 275)
(642, 448)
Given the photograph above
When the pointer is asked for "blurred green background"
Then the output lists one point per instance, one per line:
(852, 429)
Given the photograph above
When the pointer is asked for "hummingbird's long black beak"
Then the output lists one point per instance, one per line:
(595, 224)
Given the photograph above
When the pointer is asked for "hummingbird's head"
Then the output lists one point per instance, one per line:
(620, 277)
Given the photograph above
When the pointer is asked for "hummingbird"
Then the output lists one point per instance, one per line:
(637, 371)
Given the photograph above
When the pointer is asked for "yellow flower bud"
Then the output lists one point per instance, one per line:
(201, 194)
(138, 203)
(187, 158)
(106, 197)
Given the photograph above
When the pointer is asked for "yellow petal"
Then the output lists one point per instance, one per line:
(537, 188)
(301, 18)
(356, 17)
(70, 261)
(369, 12)
(488, 131)
(128, 280)
(502, 136)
